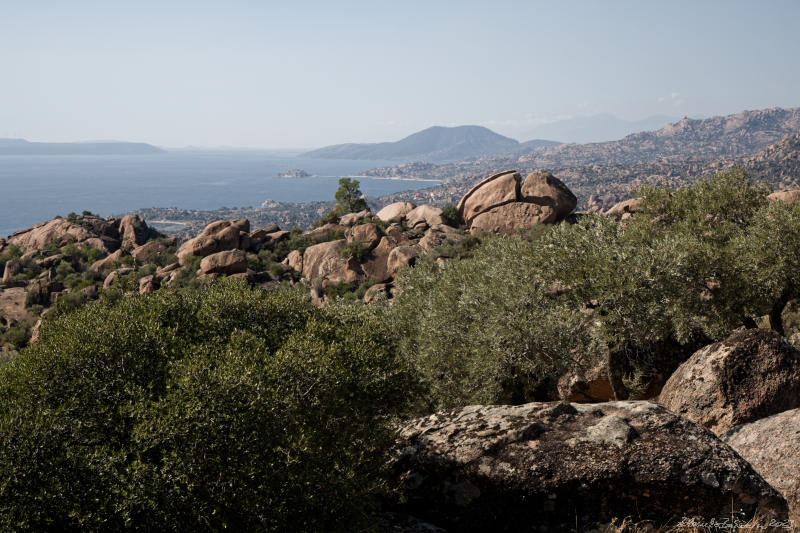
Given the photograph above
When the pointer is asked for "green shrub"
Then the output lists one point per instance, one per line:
(342, 290)
(503, 321)
(223, 408)
(451, 216)
(94, 254)
(64, 269)
(482, 329)
(355, 250)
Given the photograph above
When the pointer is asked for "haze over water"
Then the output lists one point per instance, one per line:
(37, 188)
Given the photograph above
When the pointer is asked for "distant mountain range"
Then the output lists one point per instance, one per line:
(765, 142)
(741, 134)
(596, 128)
(435, 144)
(23, 147)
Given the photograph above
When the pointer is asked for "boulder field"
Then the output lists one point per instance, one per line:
(719, 440)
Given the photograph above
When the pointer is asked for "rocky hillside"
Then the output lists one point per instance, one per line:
(436, 143)
(599, 186)
(533, 367)
(601, 174)
(730, 136)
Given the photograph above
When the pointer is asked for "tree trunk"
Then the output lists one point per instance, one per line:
(776, 313)
(616, 363)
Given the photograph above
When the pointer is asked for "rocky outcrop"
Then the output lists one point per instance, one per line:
(752, 374)
(791, 196)
(133, 231)
(53, 231)
(114, 276)
(632, 205)
(586, 386)
(294, 261)
(377, 291)
(11, 269)
(262, 238)
(375, 265)
(148, 284)
(217, 237)
(324, 230)
(504, 203)
(437, 236)
(42, 290)
(366, 234)
(563, 467)
(424, 216)
(107, 263)
(395, 211)
(497, 190)
(772, 446)
(227, 262)
(148, 251)
(350, 219)
(401, 257)
(324, 262)
(511, 218)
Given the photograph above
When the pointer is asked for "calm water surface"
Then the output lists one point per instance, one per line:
(37, 188)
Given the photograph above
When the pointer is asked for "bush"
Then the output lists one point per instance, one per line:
(202, 409)
(482, 329)
(502, 322)
(451, 216)
(355, 250)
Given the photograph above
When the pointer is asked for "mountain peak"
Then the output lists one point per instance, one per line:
(436, 143)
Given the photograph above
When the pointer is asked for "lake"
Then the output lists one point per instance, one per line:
(34, 189)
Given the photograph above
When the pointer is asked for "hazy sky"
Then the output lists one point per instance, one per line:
(301, 74)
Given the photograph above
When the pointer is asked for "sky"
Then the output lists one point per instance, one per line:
(301, 74)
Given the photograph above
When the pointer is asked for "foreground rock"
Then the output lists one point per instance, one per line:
(563, 466)
(772, 446)
(752, 374)
(504, 203)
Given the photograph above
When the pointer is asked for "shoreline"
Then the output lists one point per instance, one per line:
(398, 178)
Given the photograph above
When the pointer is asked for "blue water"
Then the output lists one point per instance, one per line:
(37, 188)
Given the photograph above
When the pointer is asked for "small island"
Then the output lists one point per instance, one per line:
(294, 173)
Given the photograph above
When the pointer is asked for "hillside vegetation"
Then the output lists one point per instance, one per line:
(221, 405)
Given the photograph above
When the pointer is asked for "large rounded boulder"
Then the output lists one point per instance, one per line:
(424, 216)
(395, 211)
(562, 467)
(505, 203)
(752, 374)
(325, 262)
(227, 262)
(218, 236)
(772, 446)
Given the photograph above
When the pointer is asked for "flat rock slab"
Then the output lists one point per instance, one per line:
(546, 466)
